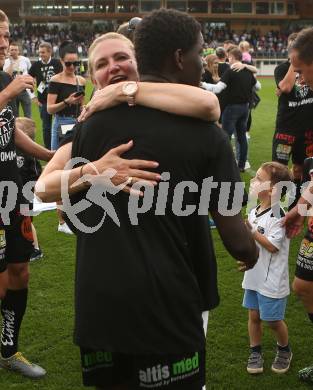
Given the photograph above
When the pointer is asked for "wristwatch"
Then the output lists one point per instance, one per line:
(130, 89)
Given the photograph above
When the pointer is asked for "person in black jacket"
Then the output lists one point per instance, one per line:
(301, 59)
(238, 93)
(152, 277)
(42, 71)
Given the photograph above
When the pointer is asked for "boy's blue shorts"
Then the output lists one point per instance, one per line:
(271, 309)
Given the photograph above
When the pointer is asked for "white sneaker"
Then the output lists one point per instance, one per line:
(247, 165)
(63, 228)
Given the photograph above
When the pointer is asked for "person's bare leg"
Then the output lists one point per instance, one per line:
(280, 330)
(36, 244)
(304, 290)
(255, 328)
(4, 280)
(59, 212)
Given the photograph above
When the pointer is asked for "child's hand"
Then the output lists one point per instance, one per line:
(242, 267)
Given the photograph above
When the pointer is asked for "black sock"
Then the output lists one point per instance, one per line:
(256, 348)
(13, 307)
(310, 315)
(286, 348)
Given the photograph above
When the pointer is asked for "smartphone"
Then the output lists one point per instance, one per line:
(79, 93)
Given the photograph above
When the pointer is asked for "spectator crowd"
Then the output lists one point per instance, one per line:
(270, 44)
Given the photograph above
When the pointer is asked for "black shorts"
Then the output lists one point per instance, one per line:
(283, 146)
(304, 264)
(16, 241)
(304, 145)
(165, 372)
(297, 144)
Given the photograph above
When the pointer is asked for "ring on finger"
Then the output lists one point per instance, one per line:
(129, 180)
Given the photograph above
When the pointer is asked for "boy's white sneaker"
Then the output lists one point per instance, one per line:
(63, 228)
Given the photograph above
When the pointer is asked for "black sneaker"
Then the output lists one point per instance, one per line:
(36, 255)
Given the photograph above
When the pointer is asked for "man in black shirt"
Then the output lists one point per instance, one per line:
(147, 273)
(15, 228)
(294, 131)
(238, 94)
(42, 71)
(301, 58)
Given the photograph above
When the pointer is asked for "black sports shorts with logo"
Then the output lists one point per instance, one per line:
(166, 372)
(304, 264)
(298, 144)
(16, 241)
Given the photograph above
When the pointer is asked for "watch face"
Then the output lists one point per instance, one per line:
(130, 88)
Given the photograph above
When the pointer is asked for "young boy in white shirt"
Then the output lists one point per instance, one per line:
(267, 284)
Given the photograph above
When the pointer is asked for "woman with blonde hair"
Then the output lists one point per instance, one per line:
(211, 73)
(112, 65)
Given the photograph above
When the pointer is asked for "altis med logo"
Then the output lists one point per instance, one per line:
(162, 375)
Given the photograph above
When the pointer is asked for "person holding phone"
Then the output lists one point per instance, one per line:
(65, 98)
(66, 94)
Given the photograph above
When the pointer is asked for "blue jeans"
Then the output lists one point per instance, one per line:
(57, 121)
(46, 119)
(234, 121)
(24, 100)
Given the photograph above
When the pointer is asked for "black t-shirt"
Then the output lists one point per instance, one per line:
(222, 67)
(8, 166)
(207, 77)
(145, 274)
(29, 167)
(205, 267)
(294, 111)
(43, 73)
(63, 91)
(239, 86)
(68, 137)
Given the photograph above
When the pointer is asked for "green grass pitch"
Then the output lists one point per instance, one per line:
(46, 335)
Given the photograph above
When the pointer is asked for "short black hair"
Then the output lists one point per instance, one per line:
(160, 34)
(67, 47)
